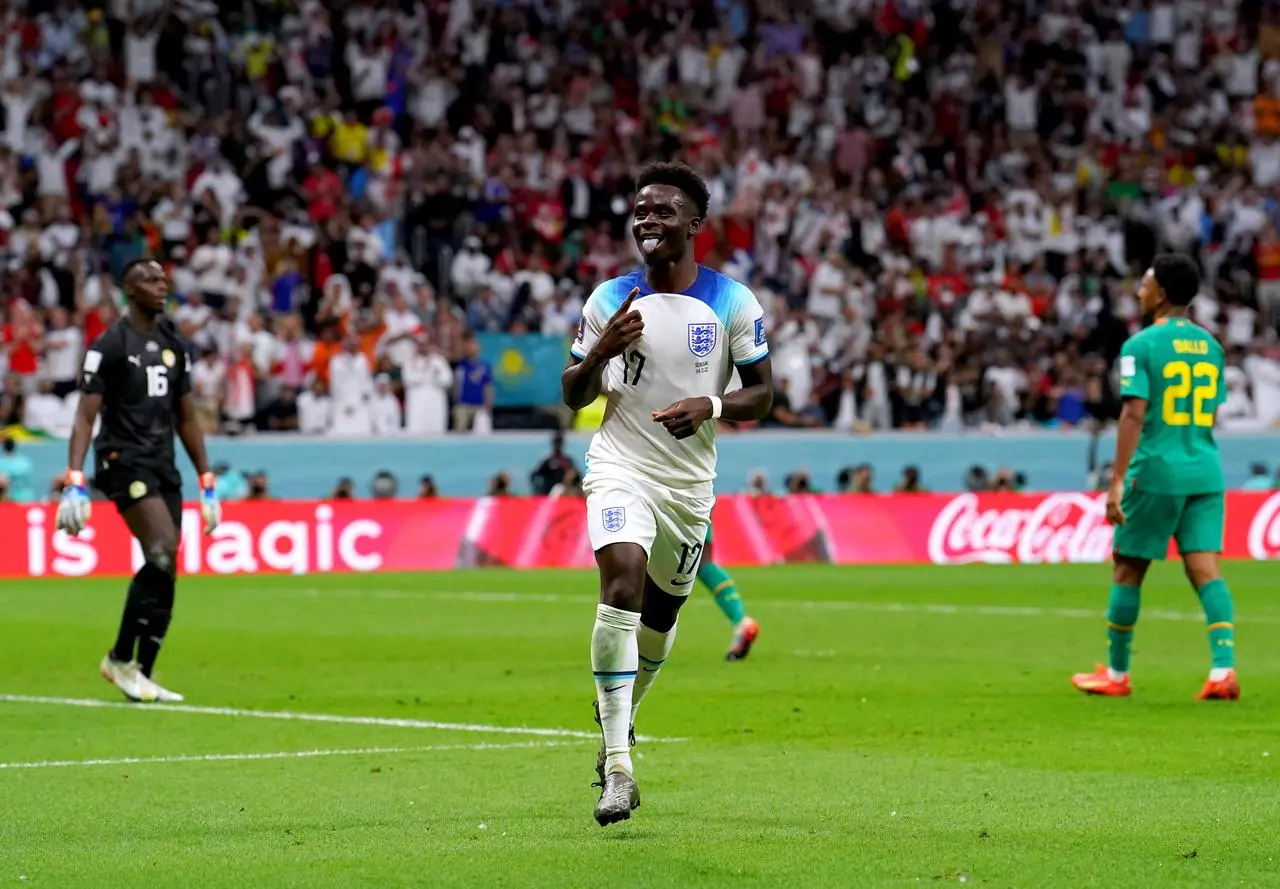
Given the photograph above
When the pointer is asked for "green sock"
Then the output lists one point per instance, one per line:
(723, 588)
(1122, 615)
(1215, 598)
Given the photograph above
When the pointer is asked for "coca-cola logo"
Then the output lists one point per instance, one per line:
(1055, 528)
(1264, 530)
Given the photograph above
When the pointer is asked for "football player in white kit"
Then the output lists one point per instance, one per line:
(659, 344)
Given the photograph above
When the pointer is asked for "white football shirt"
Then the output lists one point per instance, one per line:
(690, 343)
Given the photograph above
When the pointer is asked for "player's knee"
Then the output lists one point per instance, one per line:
(1129, 572)
(623, 569)
(660, 608)
(163, 555)
(1199, 574)
(621, 591)
(660, 617)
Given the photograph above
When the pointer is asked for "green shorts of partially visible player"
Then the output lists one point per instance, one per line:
(1194, 522)
(722, 586)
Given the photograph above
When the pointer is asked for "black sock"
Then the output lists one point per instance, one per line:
(147, 612)
(151, 633)
(127, 639)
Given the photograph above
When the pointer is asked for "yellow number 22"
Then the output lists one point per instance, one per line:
(1205, 376)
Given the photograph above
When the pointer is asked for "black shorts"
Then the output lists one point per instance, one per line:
(126, 486)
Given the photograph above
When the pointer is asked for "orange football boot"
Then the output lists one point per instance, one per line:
(1099, 682)
(744, 636)
(1225, 689)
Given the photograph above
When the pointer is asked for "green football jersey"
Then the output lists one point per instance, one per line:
(1176, 366)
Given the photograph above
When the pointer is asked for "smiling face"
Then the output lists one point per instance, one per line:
(147, 287)
(664, 223)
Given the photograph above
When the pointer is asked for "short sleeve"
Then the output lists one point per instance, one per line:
(747, 341)
(99, 361)
(184, 381)
(594, 319)
(1134, 381)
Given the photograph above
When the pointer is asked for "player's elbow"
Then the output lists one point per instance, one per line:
(576, 389)
(572, 400)
(576, 403)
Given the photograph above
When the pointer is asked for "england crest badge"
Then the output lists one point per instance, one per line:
(702, 339)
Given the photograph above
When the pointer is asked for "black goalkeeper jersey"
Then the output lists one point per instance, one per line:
(141, 378)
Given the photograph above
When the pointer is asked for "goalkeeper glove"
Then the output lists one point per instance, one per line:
(74, 507)
(210, 508)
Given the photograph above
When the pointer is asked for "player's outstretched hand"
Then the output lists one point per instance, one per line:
(210, 508)
(683, 418)
(1115, 512)
(74, 507)
(623, 329)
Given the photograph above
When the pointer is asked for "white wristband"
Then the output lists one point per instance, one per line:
(717, 407)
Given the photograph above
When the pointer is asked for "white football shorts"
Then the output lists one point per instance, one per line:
(670, 525)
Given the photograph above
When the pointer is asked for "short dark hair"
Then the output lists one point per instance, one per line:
(1177, 276)
(680, 176)
(131, 265)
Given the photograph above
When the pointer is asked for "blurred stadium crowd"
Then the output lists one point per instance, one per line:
(944, 207)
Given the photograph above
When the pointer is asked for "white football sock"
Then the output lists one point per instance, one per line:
(613, 660)
(653, 648)
(1217, 674)
(1115, 675)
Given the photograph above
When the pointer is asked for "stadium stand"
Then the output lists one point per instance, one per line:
(943, 207)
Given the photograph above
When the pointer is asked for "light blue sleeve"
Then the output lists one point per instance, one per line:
(600, 307)
(748, 343)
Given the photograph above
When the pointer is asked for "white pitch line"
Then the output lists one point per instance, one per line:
(492, 596)
(387, 721)
(285, 754)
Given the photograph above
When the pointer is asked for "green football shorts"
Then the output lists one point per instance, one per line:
(1194, 521)
(707, 541)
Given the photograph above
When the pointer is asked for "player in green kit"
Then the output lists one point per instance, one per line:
(1167, 479)
(716, 579)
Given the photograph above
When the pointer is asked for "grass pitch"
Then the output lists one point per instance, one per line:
(893, 727)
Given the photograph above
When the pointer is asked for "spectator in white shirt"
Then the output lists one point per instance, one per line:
(19, 98)
(470, 267)
(59, 238)
(173, 215)
(63, 345)
(212, 263)
(796, 340)
(208, 384)
(829, 287)
(428, 379)
(368, 63)
(1263, 370)
(315, 410)
(43, 410)
(401, 325)
(226, 187)
(388, 417)
(351, 384)
(51, 167)
(140, 42)
(1237, 411)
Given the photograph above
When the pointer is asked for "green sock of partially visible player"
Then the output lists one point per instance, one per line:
(724, 589)
(1122, 616)
(1219, 613)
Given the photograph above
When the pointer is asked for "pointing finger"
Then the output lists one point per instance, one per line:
(626, 303)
